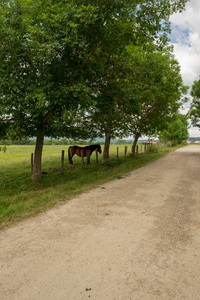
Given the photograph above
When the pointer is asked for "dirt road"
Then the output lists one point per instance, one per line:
(135, 238)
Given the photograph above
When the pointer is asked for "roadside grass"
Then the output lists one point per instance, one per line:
(21, 198)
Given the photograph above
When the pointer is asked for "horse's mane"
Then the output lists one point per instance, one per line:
(93, 146)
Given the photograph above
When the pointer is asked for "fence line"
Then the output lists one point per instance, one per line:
(144, 148)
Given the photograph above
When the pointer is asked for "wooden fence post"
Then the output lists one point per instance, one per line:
(62, 160)
(117, 152)
(82, 158)
(141, 148)
(137, 149)
(31, 164)
(145, 148)
(125, 150)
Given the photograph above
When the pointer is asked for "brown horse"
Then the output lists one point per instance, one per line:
(87, 151)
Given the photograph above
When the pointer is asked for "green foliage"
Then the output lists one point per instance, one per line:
(158, 89)
(39, 75)
(53, 52)
(194, 112)
(176, 130)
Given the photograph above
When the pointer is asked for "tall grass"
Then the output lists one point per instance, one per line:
(21, 198)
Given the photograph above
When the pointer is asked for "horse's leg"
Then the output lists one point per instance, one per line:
(70, 157)
(88, 157)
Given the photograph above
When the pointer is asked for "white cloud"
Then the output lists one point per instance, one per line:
(189, 61)
(185, 38)
(189, 18)
(194, 132)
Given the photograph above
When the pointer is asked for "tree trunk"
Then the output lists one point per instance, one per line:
(105, 158)
(135, 144)
(36, 175)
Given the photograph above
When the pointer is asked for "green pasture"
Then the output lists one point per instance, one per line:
(21, 198)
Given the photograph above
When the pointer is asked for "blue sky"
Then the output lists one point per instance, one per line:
(185, 37)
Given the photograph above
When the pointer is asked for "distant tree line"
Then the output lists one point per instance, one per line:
(62, 141)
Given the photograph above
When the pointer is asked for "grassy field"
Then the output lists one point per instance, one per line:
(21, 198)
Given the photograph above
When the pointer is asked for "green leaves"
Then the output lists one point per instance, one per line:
(157, 89)
(194, 112)
(176, 130)
(56, 55)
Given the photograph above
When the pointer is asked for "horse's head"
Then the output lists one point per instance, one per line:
(99, 149)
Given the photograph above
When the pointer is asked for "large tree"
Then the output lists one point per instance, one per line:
(52, 54)
(158, 90)
(106, 118)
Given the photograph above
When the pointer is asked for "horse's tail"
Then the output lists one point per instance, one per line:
(69, 156)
